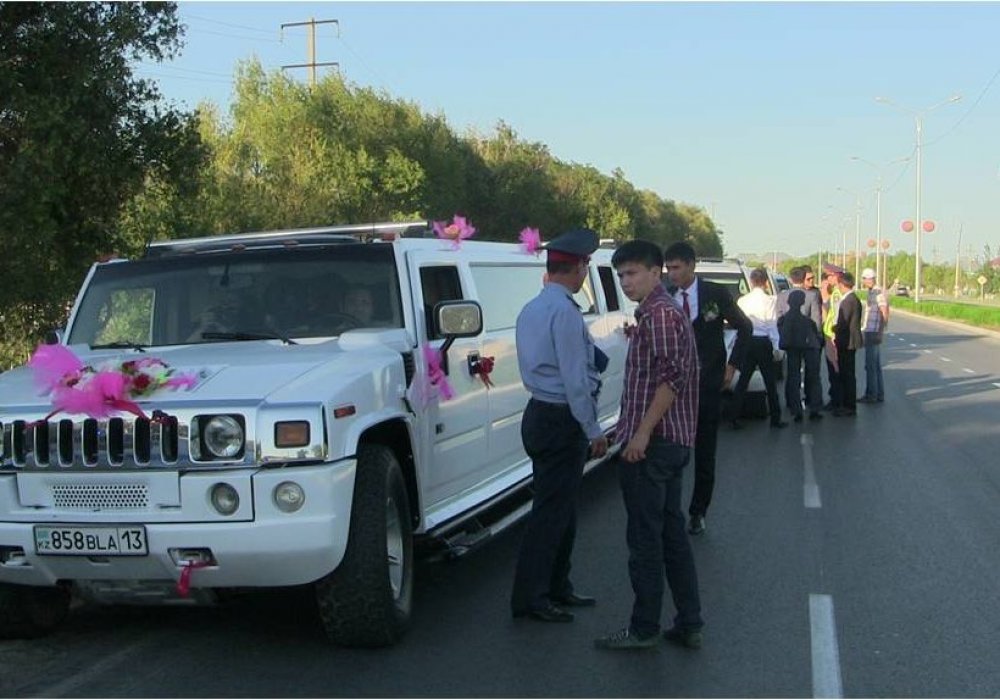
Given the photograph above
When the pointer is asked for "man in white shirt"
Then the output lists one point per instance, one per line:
(763, 351)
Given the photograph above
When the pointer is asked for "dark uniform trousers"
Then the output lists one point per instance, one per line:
(558, 449)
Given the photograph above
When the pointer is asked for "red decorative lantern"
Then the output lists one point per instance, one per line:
(871, 242)
(907, 226)
(928, 226)
(885, 245)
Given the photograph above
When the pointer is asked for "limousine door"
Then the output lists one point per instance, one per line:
(454, 429)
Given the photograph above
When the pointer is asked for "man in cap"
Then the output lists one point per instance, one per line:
(560, 367)
(709, 306)
(874, 318)
(831, 294)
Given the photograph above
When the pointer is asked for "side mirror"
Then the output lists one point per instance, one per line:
(54, 336)
(456, 319)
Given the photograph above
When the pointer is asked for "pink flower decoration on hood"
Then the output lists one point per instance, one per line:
(457, 231)
(531, 241)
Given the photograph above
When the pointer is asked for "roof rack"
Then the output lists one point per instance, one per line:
(349, 233)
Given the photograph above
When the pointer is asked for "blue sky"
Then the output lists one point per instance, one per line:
(749, 110)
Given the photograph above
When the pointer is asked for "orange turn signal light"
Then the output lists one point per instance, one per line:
(291, 433)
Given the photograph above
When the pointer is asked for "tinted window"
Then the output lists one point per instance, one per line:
(438, 283)
(608, 285)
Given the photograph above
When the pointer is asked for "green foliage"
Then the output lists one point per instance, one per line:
(80, 136)
(290, 156)
(973, 314)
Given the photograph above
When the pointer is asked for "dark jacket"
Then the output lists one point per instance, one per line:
(847, 330)
(800, 321)
(709, 338)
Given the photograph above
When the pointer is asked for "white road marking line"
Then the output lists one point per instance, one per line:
(913, 345)
(825, 653)
(810, 489)
(945, 359)
(968, 371)
(996, 384)
(927, 351)
(70, 686)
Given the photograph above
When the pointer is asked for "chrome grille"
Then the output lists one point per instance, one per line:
(101, 496)
(112, 442)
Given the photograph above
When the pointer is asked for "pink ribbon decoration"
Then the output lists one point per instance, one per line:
(531, 241)
(435, 375)
(457, 231)
(78, 389)
(184, 582)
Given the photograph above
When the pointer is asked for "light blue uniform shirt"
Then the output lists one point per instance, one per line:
(555, 355)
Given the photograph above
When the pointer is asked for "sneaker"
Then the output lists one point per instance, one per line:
(625, 639)
(690, 638)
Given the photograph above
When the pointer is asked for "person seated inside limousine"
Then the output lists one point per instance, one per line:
(359, 304)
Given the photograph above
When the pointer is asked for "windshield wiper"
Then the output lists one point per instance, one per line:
(120, 344)
(241, 335)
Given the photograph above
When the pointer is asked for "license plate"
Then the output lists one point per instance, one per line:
(106, 541)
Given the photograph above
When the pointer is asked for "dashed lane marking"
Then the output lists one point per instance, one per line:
(825, 653)
(810, 489)
(968, 371)
(996, 384)
(945, 359)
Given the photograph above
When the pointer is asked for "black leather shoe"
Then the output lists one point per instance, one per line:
(575, 600)
(736, 425)
(697, 525)
(815, 415)
(798, 417)
(780, 424)
(550, 613)
(844, 412)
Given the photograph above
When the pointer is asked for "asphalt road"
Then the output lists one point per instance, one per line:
(853, 557)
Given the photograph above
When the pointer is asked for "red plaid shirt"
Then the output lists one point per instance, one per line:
(661, 350)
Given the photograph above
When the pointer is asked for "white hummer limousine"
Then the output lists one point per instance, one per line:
(318, 437)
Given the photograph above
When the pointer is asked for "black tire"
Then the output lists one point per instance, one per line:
(367, 600)
(27, 612)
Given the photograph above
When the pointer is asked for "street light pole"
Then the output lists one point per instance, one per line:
(879, 256)
(918, 224)
(857, 234)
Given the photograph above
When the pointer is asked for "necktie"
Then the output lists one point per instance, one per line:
(687, 307)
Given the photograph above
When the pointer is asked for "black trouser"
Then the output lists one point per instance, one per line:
(657, 541)
(760, 355)
(705, 441)
(848, 380)
(558, 449)
(793, 380)
(836, 390)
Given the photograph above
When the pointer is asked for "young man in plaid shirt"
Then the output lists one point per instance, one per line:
(659, 415)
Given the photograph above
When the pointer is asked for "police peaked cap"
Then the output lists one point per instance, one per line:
(577, 244)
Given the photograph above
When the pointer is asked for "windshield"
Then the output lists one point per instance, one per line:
(306, 292)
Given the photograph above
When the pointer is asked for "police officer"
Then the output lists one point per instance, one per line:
(560, 367)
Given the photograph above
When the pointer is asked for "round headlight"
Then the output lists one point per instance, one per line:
(225, 499)
(223, 436)
(289, 496)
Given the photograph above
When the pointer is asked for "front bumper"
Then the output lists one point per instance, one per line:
(272, 548)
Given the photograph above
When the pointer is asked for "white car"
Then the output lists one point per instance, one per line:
(310, 437)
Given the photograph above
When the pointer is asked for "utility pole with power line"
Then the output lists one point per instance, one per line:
(311, 46)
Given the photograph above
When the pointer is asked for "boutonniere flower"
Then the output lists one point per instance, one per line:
(457, 231)
(710, 312)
